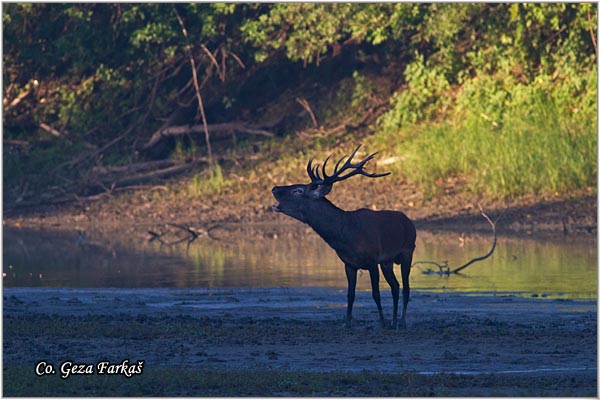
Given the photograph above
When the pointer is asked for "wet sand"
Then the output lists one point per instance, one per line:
(300, 329)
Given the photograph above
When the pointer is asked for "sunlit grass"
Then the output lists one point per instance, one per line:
(535, 151)
(210, 181)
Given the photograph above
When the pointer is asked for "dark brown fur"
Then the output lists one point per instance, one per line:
(362, 238)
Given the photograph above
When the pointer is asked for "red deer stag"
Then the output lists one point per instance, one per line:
(362, 238)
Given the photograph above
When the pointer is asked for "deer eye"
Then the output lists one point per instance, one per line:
(298, 191)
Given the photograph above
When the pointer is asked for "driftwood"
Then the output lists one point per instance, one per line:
(181, 130)
(106, 181)
(16, 143)
(145, 177)
(132, 168)
(444, 269)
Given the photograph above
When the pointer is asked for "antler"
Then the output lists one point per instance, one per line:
(357, 169)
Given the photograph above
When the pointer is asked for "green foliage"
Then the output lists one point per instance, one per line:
(482, 73)
(306, 31)
(516, 86)
(424, 97)
(208, 182)
(539, 142)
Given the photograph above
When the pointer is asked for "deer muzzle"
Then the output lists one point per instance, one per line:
(275, 207)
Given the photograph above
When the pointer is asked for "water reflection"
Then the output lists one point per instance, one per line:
(50, 259)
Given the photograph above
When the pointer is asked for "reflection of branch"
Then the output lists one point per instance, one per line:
(190, 234)
(445, 270)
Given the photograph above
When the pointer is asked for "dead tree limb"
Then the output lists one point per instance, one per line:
(160, 173)
(29, 89)
(214, 61)
(196, 85)
(50, 130)
(304, 103)
(592, 35)
(444, 269)
(88, 156)
(131, 168)
(236, 58)
(181, 130)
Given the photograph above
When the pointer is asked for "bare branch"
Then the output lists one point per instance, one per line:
(29, 88)
(196, 85)
(445, 270)
(186, 129)
(141, 121)
(592, 35)
(236, 58)
(214, 61)
(304, 103)
(50, 129)
(489, 253)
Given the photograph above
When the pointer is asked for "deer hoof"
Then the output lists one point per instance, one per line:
(348, 323)
(401, 325)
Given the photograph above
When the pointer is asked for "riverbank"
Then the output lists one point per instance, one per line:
(285, 341)
(154, 208)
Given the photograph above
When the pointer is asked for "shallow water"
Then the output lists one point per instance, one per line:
(520, 266)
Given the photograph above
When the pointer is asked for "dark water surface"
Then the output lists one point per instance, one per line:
(522, 266)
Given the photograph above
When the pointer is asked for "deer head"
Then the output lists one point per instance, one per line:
(299, 200)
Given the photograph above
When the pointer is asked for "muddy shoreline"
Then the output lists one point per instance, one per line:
(477, 344)
(138, 212)
(300, 329)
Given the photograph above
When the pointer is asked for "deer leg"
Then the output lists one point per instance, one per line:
(374, 272)
(351, 276)
(405, 269)
(390, 277)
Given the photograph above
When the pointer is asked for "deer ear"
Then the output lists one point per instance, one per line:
(321, 190)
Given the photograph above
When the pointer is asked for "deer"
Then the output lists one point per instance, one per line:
(362, 239)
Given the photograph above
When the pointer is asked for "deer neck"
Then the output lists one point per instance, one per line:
(327, 220)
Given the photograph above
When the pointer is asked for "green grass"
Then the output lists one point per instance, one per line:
(209, 181)
(537, 149)
(199, 382)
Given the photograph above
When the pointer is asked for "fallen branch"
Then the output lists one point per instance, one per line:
(130, 168)
(181, 130)
(16, 143)
(90, 156)
(15, 102)
(444, 269)
(160, 173)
